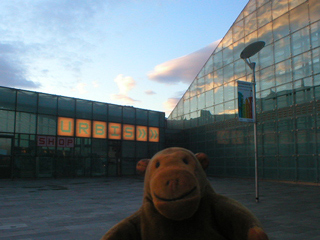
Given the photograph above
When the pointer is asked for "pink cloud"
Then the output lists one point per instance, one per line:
(183, 69)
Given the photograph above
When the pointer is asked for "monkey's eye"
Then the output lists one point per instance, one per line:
(157, 164)
(185, 161)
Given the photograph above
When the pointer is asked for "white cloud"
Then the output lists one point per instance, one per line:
(80, 88)
(125, 84)
(183, 69)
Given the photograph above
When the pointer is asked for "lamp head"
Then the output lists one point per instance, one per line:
(252, 49)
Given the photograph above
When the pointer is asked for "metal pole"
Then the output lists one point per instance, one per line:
(253, 66)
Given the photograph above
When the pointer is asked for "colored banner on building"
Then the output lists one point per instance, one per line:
(153, 134)
(128, 132)
(83, 128)
(65, 126)
(69, 127)
(245, 102)
(114, 131)
(99, 129)
(142, 133)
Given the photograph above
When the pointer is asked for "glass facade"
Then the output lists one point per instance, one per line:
(288, 84)
(43, 135)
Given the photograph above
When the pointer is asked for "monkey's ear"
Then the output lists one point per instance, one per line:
(203, 159)
(142, 166)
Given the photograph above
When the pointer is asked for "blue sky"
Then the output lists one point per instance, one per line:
(141, 53)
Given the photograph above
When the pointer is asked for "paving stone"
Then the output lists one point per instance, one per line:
(64, 209)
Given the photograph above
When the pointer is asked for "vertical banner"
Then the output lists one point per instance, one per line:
(245, 102)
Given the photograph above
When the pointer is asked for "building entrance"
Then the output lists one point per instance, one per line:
(114, 160)
(5, 157)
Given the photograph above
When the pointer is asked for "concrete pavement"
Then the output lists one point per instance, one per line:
(65, 209)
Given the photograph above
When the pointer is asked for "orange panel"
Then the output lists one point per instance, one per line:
(114, 131)
(83, 128)
(65, 126)
(153, 134)
(99, 129)
(128, 132)
(142, 133)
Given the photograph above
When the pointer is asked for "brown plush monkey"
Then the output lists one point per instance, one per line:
(179, 203)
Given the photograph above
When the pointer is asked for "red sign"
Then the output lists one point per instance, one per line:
(46, 141)
(65, 142)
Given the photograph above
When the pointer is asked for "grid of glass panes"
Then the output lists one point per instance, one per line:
(287, 74)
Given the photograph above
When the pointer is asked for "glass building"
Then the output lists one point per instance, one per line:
(43, 135)
(288, 96)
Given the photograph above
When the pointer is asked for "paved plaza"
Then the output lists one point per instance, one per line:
(84, 209)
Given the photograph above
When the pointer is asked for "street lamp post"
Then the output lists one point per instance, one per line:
(248, 52)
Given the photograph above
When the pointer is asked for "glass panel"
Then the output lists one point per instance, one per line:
(26, 101)
(6, 121)
(7, 98)
(265, 34)
(99, 157)
(316, 60)
(251, 6)
(200, 85)
(267, 78)
(142, 117)
(229, 91)
(299, 17)
(239, 69)
(47, 104)
(129, 115)
(194, 104)
(180, 108)
(201, 101)
(84, 109)
(264, 14)
(219, 112)
(115, 113)
(66, 106)
(208, 81)
(282, 49)
(186, 106)
(283, 72)
(294, 3)
(303, 96)
(238, 30)
(315, 34)
(217, 60)
(209, 66)
(228, 73)
(227, 55)
(230, 110)
(47, 125)
(209, 98)
(285, 87)
(250, 23)
(279, 7)
(218, 95)
(300, 41)
(281, 27)
(100, 111)
(252, 37)
(266, 56)
(314, 7)
(268, 100)
(285, 100)
(286, 141)
(153, 118)
(227, 40)
(25, 123)
(301, 65)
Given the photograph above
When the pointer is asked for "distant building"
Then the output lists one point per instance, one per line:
(43, 135)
